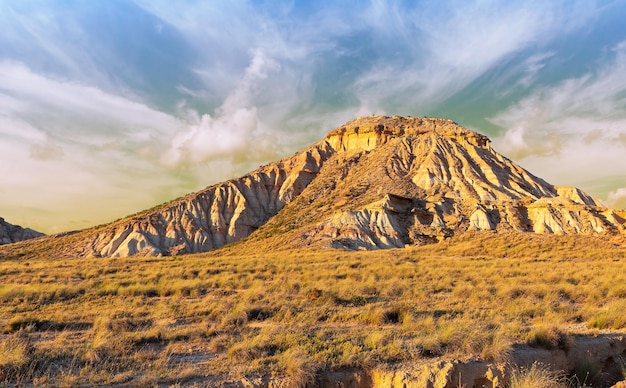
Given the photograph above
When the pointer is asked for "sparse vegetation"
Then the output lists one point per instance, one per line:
(536, 376)
(234, 312)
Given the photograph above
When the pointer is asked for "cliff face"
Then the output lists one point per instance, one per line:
(375, 182)
(213, 217)
(406, 181)
(437, 179)
(13, 233)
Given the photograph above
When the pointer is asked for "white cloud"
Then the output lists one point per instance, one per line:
(453, 45)
(104, 155)
(55, 40)
(235, 132)
(410, 57)
(75, 150)
(50, 150)
(576, 108)
(617, 198)
(38, 94)
(531, 67)
(571, 133)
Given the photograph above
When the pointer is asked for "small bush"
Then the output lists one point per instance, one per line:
(20, 323)
(259, 313)
(611, 317)
(299, 367)
(586, 373)
(15, 357)
(547, 337)
(537, 376)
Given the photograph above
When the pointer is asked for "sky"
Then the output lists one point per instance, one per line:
(111, 107)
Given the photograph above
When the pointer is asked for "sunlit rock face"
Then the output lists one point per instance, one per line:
(374, 182)
(428, 179)
(13, 233)
(216, 216)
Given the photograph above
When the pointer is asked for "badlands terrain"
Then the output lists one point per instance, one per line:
(282, 277)
(375, 182)
(13, 233)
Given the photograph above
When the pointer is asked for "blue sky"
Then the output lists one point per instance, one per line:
(111, 107)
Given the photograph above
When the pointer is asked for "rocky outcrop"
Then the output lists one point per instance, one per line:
(214, 217)
(13, 233)
(374, 227)
(601, 356)
(374, 182)
(448, 180)
(367, 133)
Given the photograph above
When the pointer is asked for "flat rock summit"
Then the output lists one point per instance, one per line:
(374, 182)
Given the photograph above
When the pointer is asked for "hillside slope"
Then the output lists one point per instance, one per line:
(397, 181)
(375, 182)
(10, 233)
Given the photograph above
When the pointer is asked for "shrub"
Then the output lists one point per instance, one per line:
(611, 317)
(547, 337)
(537, 376)
(299, 367)
(15, 357)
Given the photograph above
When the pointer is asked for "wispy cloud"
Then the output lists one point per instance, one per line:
(80, 142)
(391, 57)
(235, 133)
(54, 138)
(57, 118)
(32, 30)
(590, 107)
(450, 46)
(575, 126)
(617, 198)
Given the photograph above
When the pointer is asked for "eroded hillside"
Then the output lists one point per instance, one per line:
(375, 182)
(10, 233)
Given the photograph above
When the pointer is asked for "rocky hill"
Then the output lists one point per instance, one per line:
(374, 182)
(13, 233)
(395, 181)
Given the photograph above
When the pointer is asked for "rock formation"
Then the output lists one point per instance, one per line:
(409, 180)
(375, 182)
(602, 353)
(214, 217)
(13, 233)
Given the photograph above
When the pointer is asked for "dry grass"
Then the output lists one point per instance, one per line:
(223, 315)
(534, 377)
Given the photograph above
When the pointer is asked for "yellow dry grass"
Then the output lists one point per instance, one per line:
(235, 312)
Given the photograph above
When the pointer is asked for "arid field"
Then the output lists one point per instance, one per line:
(233, 314)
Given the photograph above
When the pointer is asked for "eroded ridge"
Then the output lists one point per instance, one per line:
(374, 182)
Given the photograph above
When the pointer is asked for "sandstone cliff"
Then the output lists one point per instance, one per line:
(213, 217)
(13, 233)
(397, 181)
(375, 182)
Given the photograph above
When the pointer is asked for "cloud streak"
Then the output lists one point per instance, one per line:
(457, 44)
(595, 101)
(617, 198)
(574, 129)
(55, 136)
(235, 133)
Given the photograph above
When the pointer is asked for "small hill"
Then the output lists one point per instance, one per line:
(13, 233)
(374, 182)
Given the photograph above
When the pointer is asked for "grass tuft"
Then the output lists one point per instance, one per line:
(299, 367)
(16, 355)
(536, 376)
